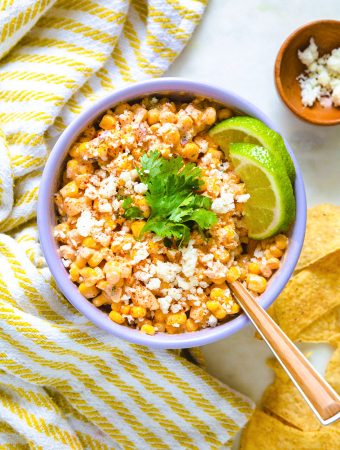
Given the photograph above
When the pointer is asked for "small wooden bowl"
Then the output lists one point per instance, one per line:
(288, 67)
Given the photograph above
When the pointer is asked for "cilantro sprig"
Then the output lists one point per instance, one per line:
(175, 205)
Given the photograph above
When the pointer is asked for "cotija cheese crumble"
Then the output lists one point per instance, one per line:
(173, 277)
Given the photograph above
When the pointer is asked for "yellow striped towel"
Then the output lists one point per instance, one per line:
(64, 384)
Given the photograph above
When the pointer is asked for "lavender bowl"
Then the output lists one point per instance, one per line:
(47, 216)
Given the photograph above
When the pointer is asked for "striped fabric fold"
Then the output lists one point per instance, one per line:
(64, 384)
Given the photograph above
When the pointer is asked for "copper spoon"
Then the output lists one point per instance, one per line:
(319, 395)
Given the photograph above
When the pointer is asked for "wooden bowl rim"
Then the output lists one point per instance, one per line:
(277, 70)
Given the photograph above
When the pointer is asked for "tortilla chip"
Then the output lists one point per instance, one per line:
(333, 370)
(309, 295)
(322, 234)
(326, 329)
(264, 432)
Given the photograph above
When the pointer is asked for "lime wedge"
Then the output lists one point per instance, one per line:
(253, 131)
(271, 206)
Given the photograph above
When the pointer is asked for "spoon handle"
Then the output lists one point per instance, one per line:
(319, 395)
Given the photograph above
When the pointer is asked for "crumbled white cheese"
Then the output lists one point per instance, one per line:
(141, 249)
(175, 293)
(164, 304)
(333, 62)
(127, 246)
(258, 253)
(212, 321)
(140, 188)
(154, 284)
(321, 78)
(175, 308)
(224, 203)
(336, 95)
(104, 206)
(66, 262)
(127, 178)
(142, 276)
(167, 271)
(84, 223)
(242, 198)
(216, 270)
(116, 204)
(188, 285)
(91, 192)
(310, 54)
(189, 259)
(108, 187)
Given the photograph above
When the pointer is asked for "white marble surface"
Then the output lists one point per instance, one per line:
(235, 47)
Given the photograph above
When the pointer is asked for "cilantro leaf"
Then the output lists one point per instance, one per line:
(131, 212)
(127, 202)
(175, 205)
(167, 229)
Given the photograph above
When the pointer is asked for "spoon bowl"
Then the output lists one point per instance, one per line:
(288, 67)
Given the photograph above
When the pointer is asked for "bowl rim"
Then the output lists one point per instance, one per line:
(277, 73)
(45, 215)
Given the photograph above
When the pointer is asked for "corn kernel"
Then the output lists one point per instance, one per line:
(222, 255)
(275, 251)
(120, 109)
(178, 318)
(116, 317)
(220, 280)
(273, 263)
(88, 291)
(217, 294)
(80, 262)
(138, 312)
(95, 259)
(213, 305)
(233, 274)
(116, 306)
(153, 116)
(148, 329)
(89, 242)
(167, 117)
(103, 285)
(136, 228)
(172, 330)
(171, 136)
(101, 299)
(190, 151)
(191, 325)
(228, 233)
(108, 122)
(74, 272)
(220, 314)
(254, 267)
(281, 241)
(91, 276)
(235, 309)
(215, 154)
(159, 316)
(256, 283)
(224, 113)
(160, 326)
(75, 150)
(112, 272)
(70, 190)
(209, 115)
(125, 309)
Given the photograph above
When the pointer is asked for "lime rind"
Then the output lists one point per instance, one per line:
(250, 130)
(271, 207)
